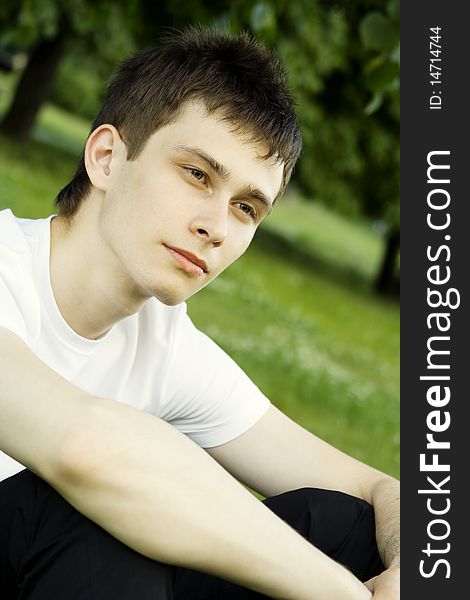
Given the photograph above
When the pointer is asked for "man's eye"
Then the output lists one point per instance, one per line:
(196, 174)
(247, 209)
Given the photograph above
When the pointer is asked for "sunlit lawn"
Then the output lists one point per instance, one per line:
(323, 350)
(326, 355)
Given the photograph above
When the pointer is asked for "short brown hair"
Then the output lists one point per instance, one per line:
(231, 73)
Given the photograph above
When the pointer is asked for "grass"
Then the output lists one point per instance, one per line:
(354, 246)
(324, 350)
(31, 175)
(326, 355)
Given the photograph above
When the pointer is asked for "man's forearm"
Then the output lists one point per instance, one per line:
(158, 492)
(386, 502)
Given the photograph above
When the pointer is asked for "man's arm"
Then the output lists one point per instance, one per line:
(151, 487)
(277, 455)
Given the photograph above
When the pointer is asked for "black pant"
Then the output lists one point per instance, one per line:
(49, 551)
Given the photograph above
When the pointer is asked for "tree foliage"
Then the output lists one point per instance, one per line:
(343, 66)
(104, 26)
(342, 61)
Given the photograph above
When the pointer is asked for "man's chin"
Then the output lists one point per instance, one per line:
(177, 294)
(171, 298)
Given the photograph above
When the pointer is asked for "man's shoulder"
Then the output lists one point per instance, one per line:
(15, 251)
(11, 234)
(17, 233)
(20, 241)
(18, 295)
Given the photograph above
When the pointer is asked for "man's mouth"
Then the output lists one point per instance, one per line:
(188, 261)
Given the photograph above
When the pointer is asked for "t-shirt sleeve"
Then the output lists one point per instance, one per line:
(206, 395)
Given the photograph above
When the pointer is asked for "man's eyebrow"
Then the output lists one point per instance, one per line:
(259, 195)
(224, 174)
(219, 169)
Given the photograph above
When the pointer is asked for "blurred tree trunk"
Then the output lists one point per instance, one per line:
(34, 88)
(386, 281)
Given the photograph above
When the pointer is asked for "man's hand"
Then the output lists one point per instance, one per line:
(385, 586)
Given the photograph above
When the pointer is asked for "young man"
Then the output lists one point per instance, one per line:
(143, 426)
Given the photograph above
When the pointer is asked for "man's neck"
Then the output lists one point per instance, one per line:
(91, 290)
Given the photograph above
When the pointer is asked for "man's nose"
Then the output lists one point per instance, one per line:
(211, 223)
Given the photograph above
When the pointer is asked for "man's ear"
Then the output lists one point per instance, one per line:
(103, 149)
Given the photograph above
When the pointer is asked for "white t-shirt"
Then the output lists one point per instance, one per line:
(155, 360)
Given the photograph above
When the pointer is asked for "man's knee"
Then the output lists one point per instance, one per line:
(61, 553)
(308, 508)
(340, 525)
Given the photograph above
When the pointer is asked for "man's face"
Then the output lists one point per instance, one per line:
(187, 207)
